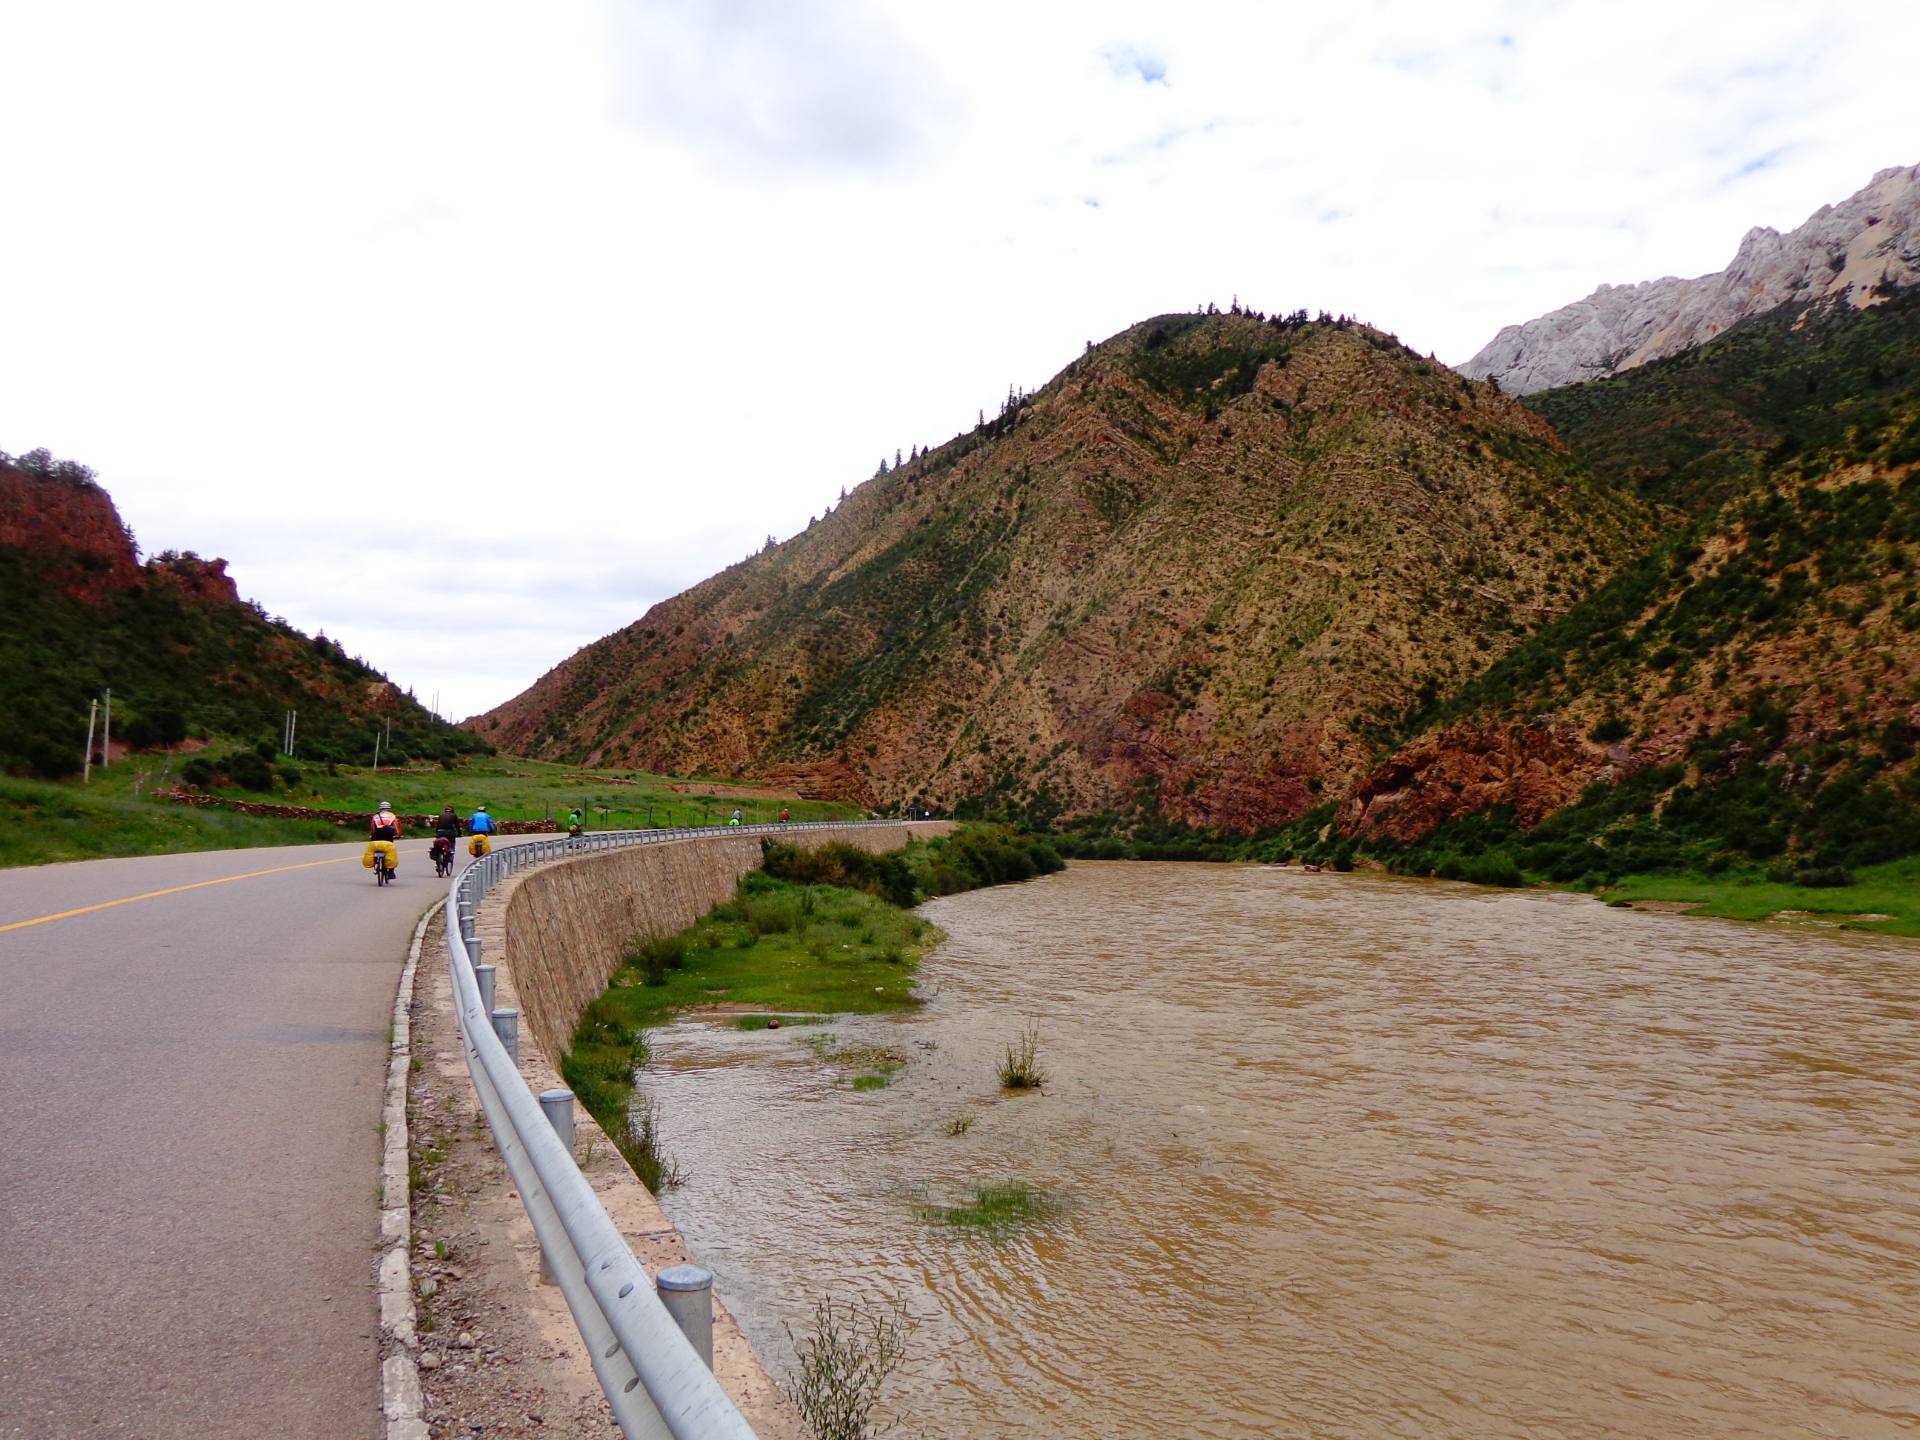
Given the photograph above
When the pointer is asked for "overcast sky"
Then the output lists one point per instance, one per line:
(467, 331)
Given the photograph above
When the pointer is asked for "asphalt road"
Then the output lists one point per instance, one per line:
(190, 1094)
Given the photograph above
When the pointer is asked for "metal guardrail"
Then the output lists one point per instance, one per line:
(656, 1382)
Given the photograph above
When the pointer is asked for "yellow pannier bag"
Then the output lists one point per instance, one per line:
(393, 855)
(478, 846)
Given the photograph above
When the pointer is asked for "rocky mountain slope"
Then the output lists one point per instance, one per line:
(1855, 252)
(183, 654)
(1196, 574)
(1751, 685)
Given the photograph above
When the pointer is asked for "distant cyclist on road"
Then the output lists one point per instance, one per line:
(446, 834)
(482, 826)
(575, 824)
(383, 832)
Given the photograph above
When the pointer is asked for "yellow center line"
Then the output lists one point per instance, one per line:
(171, 890)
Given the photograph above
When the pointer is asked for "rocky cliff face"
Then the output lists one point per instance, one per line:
(71, 528)
(1855, 251)
(1187, 575)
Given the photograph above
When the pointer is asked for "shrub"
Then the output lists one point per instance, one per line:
(1824, 877)
(1496, 867)
(1020, 1068)
(843, 1364)
(247, 770)
(886, 877)
(655, 956)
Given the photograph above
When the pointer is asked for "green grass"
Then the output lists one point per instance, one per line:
(42, 822)
(112, 814)
(796, 952)
(993, 1208)
(1892, 889)
(510, 787)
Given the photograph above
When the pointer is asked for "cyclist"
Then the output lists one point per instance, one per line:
(383, 831)
(575, 824)
(482, 826)
(446, 832)
(734, 819)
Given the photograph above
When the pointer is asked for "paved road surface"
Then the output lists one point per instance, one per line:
(190, 1092)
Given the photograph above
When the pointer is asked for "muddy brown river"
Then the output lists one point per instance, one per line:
(1342, 1156)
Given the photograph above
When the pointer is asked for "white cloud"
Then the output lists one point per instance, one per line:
(571, 305)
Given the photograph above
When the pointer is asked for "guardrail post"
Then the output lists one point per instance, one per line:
(483, 975)
(557, 1106)
(687, 1292)
(506, 1024)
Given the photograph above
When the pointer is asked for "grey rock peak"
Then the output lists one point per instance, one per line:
(1849, 251)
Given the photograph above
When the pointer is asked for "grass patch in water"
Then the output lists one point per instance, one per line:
(1892, 890)
(776, 1022)
(993, 1208)
(1020, 1068)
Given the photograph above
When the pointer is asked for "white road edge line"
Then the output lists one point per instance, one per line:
(400, 1399)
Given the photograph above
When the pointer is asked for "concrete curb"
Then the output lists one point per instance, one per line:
(400, 1399)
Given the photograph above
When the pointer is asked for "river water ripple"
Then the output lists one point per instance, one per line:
(1344, 1156)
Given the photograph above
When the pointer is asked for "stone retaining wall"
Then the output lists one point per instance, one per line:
(566, 927)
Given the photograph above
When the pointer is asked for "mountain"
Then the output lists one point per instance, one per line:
(1855, 252)
(1195, 575)
(182, 652)
(1750, 686)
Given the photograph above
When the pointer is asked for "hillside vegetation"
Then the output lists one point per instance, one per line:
(1747, 693)
(184, 656)
(1709, 424)
(1196, 575)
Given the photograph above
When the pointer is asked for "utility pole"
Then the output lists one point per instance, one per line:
(376, 752)
(106, 734)
(293, 731)
(86, 765)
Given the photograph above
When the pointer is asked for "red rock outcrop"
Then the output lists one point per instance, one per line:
(1469, 768)
(72, 531)
(205, 580)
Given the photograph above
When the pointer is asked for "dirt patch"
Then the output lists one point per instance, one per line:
(521, 1369)
(744, 792)
(491, 1363)
(1666, 907)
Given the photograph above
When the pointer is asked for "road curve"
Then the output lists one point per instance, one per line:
(190, 1094)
